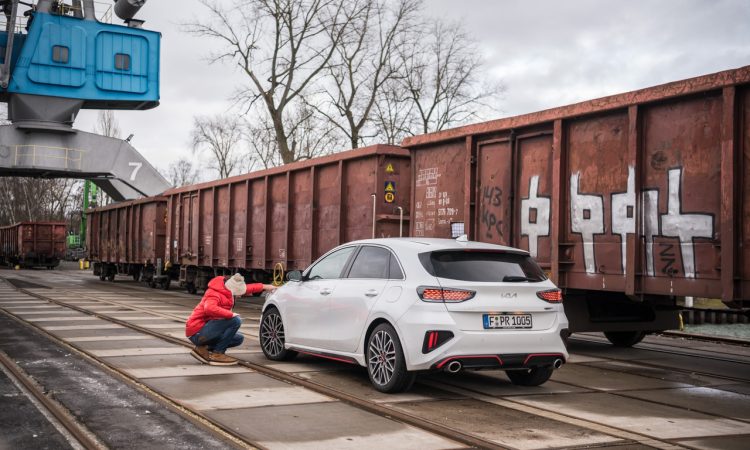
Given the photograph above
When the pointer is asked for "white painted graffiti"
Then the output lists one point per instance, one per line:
(623, 214)
(685, 227)
(587, 219)
(534, 215)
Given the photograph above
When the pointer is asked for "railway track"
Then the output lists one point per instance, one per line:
(74, 433)
(393, 410)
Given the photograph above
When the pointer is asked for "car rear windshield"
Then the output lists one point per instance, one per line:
(483, 266)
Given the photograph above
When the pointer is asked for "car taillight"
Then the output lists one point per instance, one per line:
(551, 296)
(434, 339)
(448, 295)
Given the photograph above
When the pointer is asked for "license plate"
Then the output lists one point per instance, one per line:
(506, 320)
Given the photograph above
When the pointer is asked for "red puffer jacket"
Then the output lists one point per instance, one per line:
(217, 303)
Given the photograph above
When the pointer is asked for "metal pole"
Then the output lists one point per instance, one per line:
(86, 187)
(374, 199)
(400, 221)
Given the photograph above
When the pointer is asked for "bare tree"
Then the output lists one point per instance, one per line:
(365, 61)
(442, 77)
(181, 173)
(220, 136)
(393, 116)
(311, 135)
(32, 199)
(283, 46)
(106, 124)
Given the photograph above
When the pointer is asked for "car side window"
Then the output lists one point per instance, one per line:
(331, 266)
(371, 262)
(395, 269)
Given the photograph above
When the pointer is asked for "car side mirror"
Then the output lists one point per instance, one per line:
(294, 275)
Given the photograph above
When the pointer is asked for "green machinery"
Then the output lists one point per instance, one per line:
(77, 241)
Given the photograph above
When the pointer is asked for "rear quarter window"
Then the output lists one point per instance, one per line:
(482, 266)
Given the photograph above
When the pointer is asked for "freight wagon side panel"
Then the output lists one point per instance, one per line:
(206, 230)
(258, 228)
(533, 198)
(393, 190)
(681, 186)
(59, 237)
(300, 219)
(439, 176)
(221, 225)
(279, 220)
(238, 225)
(328, 217)
(600, 208)
(123, 234)
(359, 178)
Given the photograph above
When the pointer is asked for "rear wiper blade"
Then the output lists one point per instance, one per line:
(516, 278)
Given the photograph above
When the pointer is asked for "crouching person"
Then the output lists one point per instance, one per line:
(212, 326)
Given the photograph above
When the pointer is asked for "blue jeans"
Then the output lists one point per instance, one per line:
(219, 334)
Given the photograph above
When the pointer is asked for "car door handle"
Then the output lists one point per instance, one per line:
(371, 292)
(325, 291)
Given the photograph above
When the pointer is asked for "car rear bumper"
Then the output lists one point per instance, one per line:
(502, 361)
(500, 349)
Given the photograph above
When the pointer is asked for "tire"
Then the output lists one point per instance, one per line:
(111, 276)
(386, 365)
(271, 336)
(530, 377)
(102, 276)
(165, 284)
(190, 287)
(624, 338)
(136, 276)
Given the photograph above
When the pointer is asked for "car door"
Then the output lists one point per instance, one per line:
(307, 301)
(355, 296)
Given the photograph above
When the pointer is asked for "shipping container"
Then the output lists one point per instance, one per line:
(629, 201)
(284, 218)
(33, 244)
(128, 238)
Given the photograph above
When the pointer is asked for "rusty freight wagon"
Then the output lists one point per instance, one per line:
(628, 201)
(128, 238)
(287, 216)
(33, 244)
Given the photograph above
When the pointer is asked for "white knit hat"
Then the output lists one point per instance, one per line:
(236, 285)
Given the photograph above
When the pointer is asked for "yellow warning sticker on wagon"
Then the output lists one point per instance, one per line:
(390, 186)
(389, 197)
(389, 168)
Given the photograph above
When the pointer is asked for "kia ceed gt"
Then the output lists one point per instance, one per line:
(400, 306)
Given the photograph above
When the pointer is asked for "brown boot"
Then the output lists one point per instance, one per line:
(220, 359)
(201, 353)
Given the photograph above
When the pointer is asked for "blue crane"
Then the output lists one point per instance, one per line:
(56, 58)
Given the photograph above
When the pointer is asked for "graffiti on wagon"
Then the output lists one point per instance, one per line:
(587, 219)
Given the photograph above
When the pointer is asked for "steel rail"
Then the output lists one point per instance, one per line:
(452, 434)
(406, 417)
(76, 430)
(654, 348)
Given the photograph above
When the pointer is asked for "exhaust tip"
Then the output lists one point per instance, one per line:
(453, 367)
(558, 363)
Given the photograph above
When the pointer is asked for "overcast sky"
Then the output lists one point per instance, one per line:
(546, 53)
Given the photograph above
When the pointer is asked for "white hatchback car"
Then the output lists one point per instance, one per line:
(405, 305)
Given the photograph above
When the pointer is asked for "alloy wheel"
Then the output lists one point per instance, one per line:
(272, 334)
(382, 357)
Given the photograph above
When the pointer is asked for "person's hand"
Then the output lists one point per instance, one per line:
(234, 314)
(269, 288)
